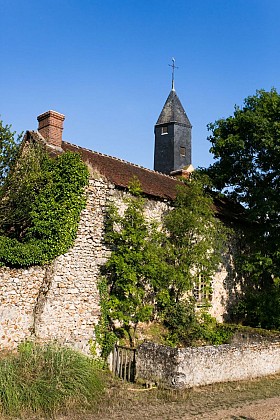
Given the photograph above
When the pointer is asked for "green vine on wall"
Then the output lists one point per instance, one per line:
(40, 205)
(104, 335)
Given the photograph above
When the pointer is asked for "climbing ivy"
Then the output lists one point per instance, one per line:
(40, 205)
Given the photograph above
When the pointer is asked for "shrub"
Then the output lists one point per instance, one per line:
(181, 322)
(190, 328)
(213, 333)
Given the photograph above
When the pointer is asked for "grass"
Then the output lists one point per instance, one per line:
(45, 379)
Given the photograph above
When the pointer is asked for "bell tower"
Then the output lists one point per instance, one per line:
(172, 135)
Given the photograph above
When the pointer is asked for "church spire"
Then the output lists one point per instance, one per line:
(172, 134)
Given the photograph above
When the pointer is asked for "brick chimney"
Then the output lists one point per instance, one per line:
(183, 173)
(51, 126)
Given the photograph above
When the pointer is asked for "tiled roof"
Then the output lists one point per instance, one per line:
(173, 111)
(120, 173)
(155, 184)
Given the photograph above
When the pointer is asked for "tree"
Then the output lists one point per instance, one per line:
(194, 244)
(19, 190)
(151, 271)
(195, 237)
(9, 144)
(134, 266)
(246, 147)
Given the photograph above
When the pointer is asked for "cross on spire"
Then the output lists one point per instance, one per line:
(173, 71)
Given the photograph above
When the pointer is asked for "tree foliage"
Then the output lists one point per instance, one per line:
(195, 237)
(40, 206)
(134, 264)
(194, 244)
(9, 144)
(246, 147)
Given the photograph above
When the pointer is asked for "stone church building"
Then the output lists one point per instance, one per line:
(60, 301)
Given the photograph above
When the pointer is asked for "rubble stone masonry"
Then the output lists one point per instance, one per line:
(181, 368)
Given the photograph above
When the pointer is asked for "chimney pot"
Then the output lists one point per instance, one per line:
(51, 126)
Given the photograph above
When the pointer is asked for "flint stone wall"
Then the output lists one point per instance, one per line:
(196, 366)
(60, 301)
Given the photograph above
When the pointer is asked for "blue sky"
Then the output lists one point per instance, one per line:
(104, 64)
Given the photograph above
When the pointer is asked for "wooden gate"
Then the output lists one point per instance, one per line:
(124, 363)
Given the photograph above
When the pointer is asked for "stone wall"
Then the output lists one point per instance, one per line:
(19, 290)
(188, 367)
(61, 301)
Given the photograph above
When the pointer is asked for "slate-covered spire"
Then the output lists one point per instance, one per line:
(173, 111)
(172, 136)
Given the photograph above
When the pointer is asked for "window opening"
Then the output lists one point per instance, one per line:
(182, 151)
(202, 291)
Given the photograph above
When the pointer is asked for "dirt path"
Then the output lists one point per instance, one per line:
(268, 409)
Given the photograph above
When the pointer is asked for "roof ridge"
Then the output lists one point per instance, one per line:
(119, 160)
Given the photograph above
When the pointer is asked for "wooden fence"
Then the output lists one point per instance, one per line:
(123, 363)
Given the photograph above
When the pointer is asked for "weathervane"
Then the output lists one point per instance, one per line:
(173, 70)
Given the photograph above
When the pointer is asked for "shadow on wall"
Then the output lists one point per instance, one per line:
(235, 283)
